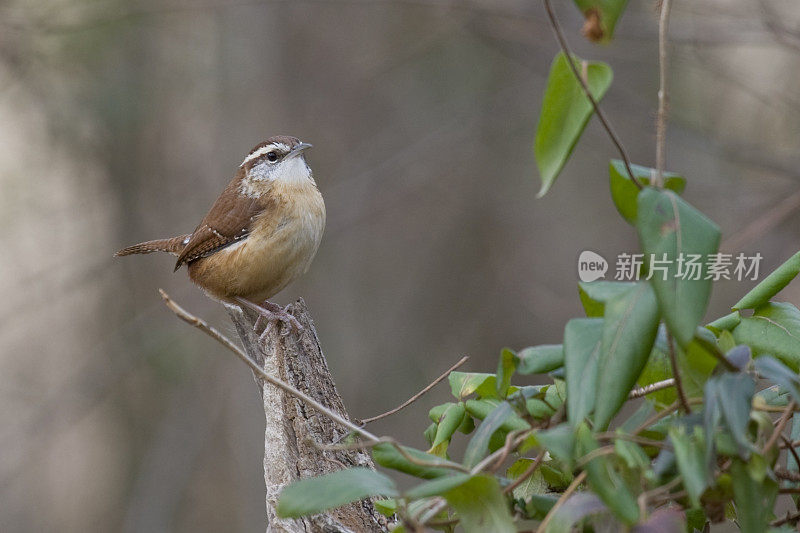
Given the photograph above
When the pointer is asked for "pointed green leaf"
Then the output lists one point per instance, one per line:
(583, 340)
(481, 506)
(313, 495)
(462, 384)
(673, 231)
(436, 487)
(565, 112)
(629, 331)
(624, 192)
(773, 329)
(560, 442)
(605, 481)
(595, 294)
(506, 367)
(478, 446)
(387, 507)
(754, 499)
(691, 460)
(540, 359)
(725, 323)
(448, 423)
(780, 374)
(734, 398)
(771, 285)
(388, 456)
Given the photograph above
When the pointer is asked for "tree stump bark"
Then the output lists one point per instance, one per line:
(293, 430)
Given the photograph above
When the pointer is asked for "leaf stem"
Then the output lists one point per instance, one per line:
(600, 115)
(418, 395)
(673, 361)
(663, 97)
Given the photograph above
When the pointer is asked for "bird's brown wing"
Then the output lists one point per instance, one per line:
(229, 220)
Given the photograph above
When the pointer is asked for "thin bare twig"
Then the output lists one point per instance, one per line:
(564, 497)
(203, 326)
(418, 395)
(763, 224)
(663, 98)
(782, 421)
(673, 361)
(791, 449)
(649, 389)
(787, 475)
(600, 115)
(789, 518)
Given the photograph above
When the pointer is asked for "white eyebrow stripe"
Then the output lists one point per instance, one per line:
(263, 150)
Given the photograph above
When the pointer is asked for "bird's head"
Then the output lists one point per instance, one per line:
(278, 159)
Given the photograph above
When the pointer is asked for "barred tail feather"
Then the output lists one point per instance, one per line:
(175, 246)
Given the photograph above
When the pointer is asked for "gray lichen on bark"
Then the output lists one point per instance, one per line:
(293, 430)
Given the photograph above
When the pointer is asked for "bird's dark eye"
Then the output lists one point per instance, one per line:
(272, 156)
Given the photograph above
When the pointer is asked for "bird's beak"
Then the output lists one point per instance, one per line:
(297, 150)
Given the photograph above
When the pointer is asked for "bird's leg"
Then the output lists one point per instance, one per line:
(273, 313)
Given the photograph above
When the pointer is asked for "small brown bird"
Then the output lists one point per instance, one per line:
(260, 234)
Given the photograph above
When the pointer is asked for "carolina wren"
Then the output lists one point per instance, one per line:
(260, 234)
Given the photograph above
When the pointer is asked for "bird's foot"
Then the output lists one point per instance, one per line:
(273, 314)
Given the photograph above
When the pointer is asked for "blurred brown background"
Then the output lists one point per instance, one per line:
(121, 122)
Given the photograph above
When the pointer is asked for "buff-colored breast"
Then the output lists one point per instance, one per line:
(279, 248)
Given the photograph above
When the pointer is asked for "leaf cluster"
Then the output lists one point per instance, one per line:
(713, 440)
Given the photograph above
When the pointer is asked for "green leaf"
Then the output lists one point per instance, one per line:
(478, 446)
(779, 373)
(448, 424)
(583, 340)
(670, 229)
(624, 192)
(436, 487)
(754, 499)
(436, 412)
(506, 367)
(540, 359)
(606, 482)
(774, 396)
(725, 323)
(565, 113)
(481, 506)
(773, 329)
(595, 294)
(462, 384)
(771, 285)
(629, 331)
(607, 12)
(734, 398)
(387, 507)
(560, 442)
(388, 456)
(481, 409)
(313, 495)
(576, 508)
(690, 457)
(535, 484)
(538, 505)
(632, 454)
